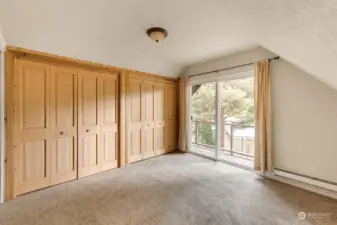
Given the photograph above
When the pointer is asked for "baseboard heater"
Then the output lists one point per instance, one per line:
(316, 182)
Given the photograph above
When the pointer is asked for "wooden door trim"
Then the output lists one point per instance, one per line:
(86, 64)
(63, 60)
(151, 77)
(9, 126)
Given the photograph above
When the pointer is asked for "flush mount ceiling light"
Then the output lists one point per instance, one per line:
(157, 34)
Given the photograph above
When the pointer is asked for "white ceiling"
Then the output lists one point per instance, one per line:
(303, 32)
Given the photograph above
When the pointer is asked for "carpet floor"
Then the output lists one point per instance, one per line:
(175, 189)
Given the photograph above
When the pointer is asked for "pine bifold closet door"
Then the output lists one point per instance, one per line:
(148, 128)
(141, 113)
(97, 122)
(45, 132)
(108, 117)
(134, 119)
(32, 136)
(160, 132)
(63, 124)
(171, 117)
(151, 117)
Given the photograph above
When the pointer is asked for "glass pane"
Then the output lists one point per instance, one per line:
(203, 125)
(237, 131)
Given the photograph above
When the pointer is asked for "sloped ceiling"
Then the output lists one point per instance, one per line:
(113, 31)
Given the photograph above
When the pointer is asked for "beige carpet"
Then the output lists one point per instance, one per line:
(174, 189)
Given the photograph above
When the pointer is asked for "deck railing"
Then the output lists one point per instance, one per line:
(235, 139)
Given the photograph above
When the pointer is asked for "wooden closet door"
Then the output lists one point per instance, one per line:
(148, 128)
(171, 117)
(32, 125)
(160, 118)
(63, 124)
(134, 119)
(88, 130)
(108, 106)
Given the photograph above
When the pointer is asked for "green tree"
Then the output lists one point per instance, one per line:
(236, 100)
(206, 134)
(236, 103)
(203, 103)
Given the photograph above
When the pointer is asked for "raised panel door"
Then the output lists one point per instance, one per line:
(31, 128)
(108, 120)
(134, 119)
(89, 158)
(171, 117)
(171, 101)
(160, 118)
(63, 124)
(148, 129)
(171, 135)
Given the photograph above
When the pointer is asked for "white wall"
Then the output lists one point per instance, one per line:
(304, 115)
(2, 47)
(2, 40)
(304, 120)
(236, 59)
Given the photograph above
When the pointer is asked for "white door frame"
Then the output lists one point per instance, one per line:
(189, 115)
(217, 121)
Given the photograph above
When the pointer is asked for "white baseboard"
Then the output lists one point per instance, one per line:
(312, 185)
(309, 184)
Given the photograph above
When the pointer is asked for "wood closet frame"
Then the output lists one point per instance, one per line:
(12, 53)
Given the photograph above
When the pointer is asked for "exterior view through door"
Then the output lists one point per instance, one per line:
(235, 124)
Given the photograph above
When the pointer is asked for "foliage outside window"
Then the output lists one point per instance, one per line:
(236, 106)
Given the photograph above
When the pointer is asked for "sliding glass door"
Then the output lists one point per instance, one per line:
(222, 118)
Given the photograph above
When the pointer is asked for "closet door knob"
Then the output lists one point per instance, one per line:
(87, 130)
(61, 132)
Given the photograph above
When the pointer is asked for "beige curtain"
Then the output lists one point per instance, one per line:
(183, 112)
(262, 156)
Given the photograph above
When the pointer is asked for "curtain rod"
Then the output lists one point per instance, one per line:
(233, 67)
